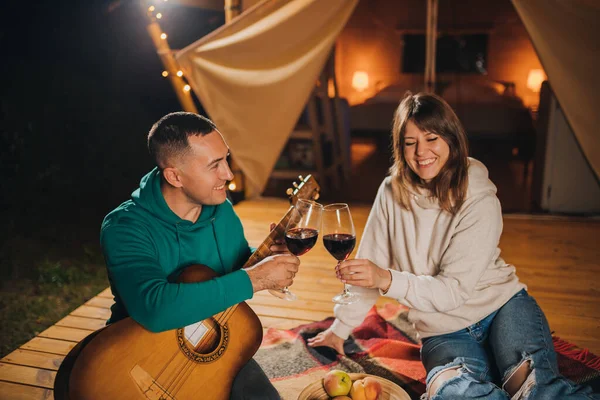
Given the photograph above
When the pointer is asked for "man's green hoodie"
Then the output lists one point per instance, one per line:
(145, 245)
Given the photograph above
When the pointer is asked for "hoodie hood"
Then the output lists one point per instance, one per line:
(479, 181)
(149, 197)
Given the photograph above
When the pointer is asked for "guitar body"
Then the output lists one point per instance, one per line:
(126, 361)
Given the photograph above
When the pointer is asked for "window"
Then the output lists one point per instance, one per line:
(454, 53)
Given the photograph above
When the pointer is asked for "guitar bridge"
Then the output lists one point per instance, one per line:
(151, 389)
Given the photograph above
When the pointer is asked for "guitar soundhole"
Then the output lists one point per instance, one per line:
(204, 341)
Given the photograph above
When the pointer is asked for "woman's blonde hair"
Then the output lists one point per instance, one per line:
(431, 113)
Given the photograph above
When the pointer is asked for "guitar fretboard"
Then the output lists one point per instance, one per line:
(264, 250)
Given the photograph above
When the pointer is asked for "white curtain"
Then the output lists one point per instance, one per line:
(255, 75)
(566, 36)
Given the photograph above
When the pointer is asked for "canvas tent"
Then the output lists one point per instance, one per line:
(255, 75)
(565, 35)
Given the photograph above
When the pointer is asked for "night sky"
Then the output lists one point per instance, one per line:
(81, 87)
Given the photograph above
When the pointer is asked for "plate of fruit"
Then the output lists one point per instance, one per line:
(340, 385)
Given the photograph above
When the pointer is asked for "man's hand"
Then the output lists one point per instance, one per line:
(329, 339)
(274, 272)
(279, 247)
(364, 273)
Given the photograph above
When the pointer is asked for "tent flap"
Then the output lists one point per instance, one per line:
(565, 35)
(255, 75)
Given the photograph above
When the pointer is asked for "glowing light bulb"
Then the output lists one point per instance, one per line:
(232, 186)
(165, 74)
(151, 8)
(186, 88)
(163, 36)
(360, 80)
(158, 16)
(180, 73)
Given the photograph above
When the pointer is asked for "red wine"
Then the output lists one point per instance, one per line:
(300, 240)
(339, 245)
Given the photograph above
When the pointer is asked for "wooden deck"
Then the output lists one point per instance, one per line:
(558, 258)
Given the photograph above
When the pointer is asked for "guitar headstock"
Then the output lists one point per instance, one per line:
(307, 189)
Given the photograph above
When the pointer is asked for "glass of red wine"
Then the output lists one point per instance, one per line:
(301, 234)
(339, 239)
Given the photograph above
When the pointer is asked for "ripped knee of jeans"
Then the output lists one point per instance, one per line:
(442, 376)
(519, 380)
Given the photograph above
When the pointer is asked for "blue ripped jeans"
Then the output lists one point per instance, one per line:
(488, 351)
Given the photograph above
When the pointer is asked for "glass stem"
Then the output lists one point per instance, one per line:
(346, 290)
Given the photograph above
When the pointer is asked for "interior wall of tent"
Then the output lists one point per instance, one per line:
(372, 41)
(563, 181)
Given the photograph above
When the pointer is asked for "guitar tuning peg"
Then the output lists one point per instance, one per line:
(289, 192)
(295, 185)
(300, 177)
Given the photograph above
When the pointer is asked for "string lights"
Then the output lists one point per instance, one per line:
(165, 74)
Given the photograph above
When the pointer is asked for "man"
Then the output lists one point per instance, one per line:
(180, 216)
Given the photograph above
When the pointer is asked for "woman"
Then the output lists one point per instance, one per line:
(431, 243)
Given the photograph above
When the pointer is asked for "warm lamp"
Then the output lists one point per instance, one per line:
(535, 79)
(360, 80)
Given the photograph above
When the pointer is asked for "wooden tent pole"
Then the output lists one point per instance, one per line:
(166, 56)
(430, 46)
(233, 8)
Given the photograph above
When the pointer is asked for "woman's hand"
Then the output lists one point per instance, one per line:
(329, 339)
(364, 273)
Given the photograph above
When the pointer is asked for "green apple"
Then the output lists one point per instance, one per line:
(337, 383)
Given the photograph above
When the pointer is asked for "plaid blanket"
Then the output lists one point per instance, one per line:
(385, 344)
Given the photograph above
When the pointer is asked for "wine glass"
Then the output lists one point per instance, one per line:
(301, 235)
(339, 239)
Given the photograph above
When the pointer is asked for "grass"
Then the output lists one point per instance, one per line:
(46, 289)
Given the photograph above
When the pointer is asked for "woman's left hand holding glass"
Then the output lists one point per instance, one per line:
(364, 273)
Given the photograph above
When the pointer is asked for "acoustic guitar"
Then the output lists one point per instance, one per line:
(200, 361)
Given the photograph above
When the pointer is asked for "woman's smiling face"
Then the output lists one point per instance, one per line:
(425, 152)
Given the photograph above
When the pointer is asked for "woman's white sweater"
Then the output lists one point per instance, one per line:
(446, 268)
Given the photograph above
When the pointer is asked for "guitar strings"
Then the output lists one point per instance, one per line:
(179, 368)
(188, 365)
(185, 370)
(266, 246)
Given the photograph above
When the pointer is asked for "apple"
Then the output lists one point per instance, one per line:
(366, 389)
(337, 383)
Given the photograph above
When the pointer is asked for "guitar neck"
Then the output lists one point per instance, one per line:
(264, 250)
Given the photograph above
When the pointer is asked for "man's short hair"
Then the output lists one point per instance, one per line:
(168, 138)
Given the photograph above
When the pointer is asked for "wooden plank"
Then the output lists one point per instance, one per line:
(106, 293)
(27, 375)
(92, 312)
(101, 302)
(303, 294)
(73, 321)
(300, 304)
(49, 345)
(14, 391)
(288, 313)
(280, 323)
(65, 333)
(34, 359)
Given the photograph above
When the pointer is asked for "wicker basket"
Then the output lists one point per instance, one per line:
(391, 391)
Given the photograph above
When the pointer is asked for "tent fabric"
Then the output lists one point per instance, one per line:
(255, 75)
(565, 35)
